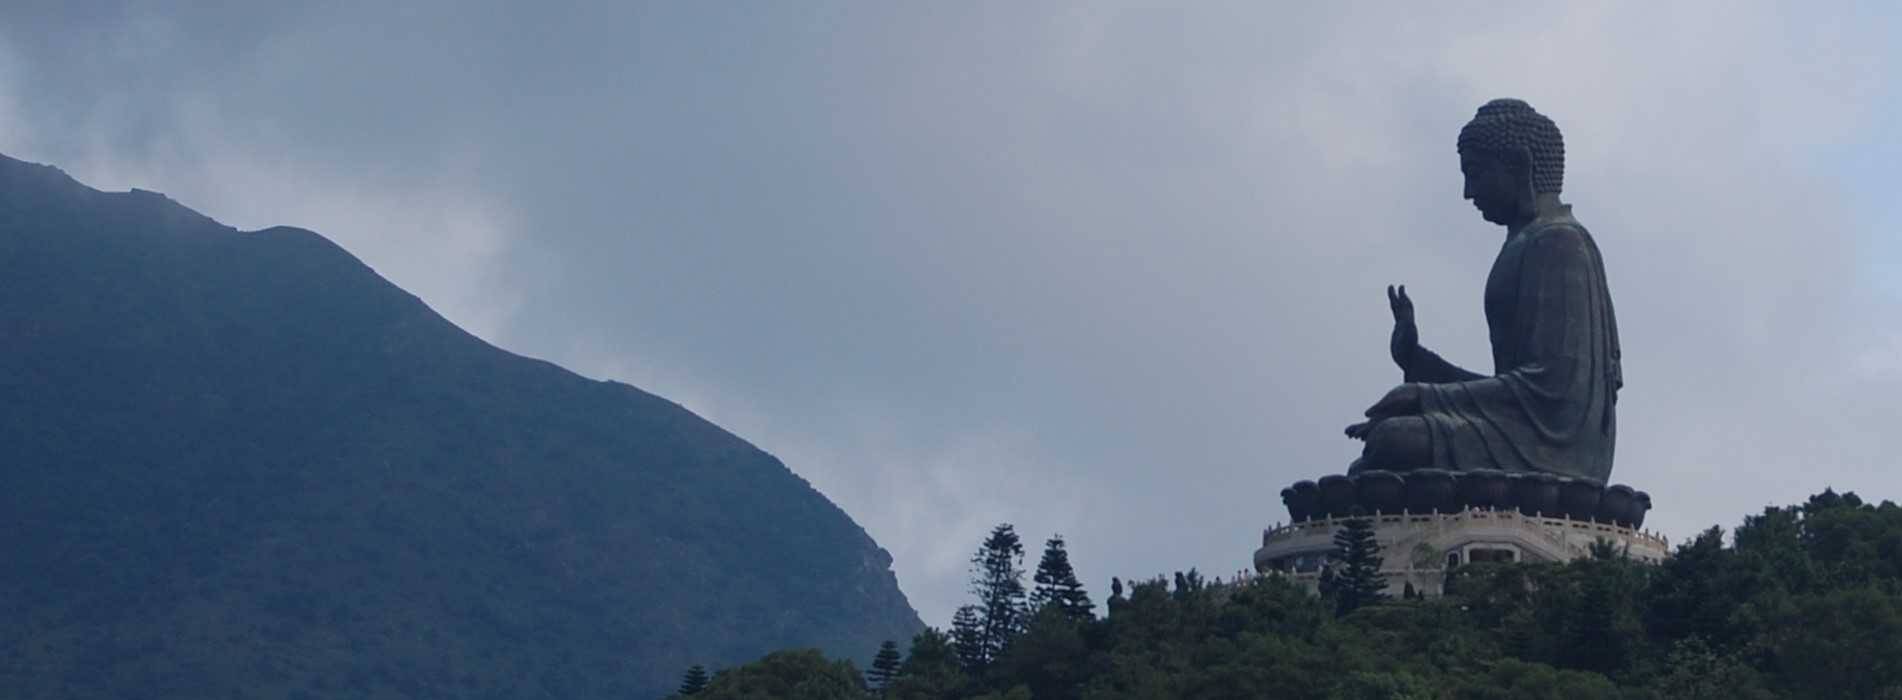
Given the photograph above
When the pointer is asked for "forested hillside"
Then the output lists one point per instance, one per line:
(1804, 601)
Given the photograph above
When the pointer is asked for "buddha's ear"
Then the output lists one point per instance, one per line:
(1518, 161)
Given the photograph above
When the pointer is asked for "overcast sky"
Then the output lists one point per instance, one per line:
(1110, 271)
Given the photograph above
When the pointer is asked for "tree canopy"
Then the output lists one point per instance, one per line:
(1804, 601)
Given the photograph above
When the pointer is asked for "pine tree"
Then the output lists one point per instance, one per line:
(967, 637)
(997, 579)
(1356, 579)
(694, 681)
(1056, 584)
(884, 666)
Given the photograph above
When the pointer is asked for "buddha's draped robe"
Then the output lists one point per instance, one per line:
(1550, 405)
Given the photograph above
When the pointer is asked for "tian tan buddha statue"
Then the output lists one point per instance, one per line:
(1548, 405)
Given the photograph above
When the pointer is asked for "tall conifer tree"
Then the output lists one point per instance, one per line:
(1355, 579)
(1056, 584)
(884, 666)
(694, 680)
(967, 636)
(997, 579)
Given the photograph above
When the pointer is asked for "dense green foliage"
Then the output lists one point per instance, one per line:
(1805, 602)
(799, 674)
(931, 669)
(244, 465)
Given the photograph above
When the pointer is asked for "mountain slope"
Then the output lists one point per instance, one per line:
(241, 463)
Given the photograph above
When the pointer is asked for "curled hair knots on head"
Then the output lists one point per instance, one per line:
(1507, 125)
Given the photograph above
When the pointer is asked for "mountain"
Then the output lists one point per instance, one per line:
(242, 464)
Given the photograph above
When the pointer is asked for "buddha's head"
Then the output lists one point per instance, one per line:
(1510, 155)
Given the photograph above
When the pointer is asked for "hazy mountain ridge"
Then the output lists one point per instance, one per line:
(245, 462)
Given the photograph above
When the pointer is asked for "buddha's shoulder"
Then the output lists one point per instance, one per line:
(1557, 229)
(1558, 240)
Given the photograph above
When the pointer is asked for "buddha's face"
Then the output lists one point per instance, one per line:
(1495, 186)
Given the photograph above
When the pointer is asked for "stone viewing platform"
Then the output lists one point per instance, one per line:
(1418, 549)
(1430, 520)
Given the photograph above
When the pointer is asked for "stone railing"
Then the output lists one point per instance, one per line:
(1538, 525)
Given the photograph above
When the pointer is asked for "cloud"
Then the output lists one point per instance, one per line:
(435, 232)
(441, 239)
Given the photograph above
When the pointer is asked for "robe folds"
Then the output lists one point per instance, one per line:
(1550, 405)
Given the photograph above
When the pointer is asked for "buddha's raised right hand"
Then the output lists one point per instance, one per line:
(1406, 336)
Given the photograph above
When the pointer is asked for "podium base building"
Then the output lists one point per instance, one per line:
(1428, 522)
